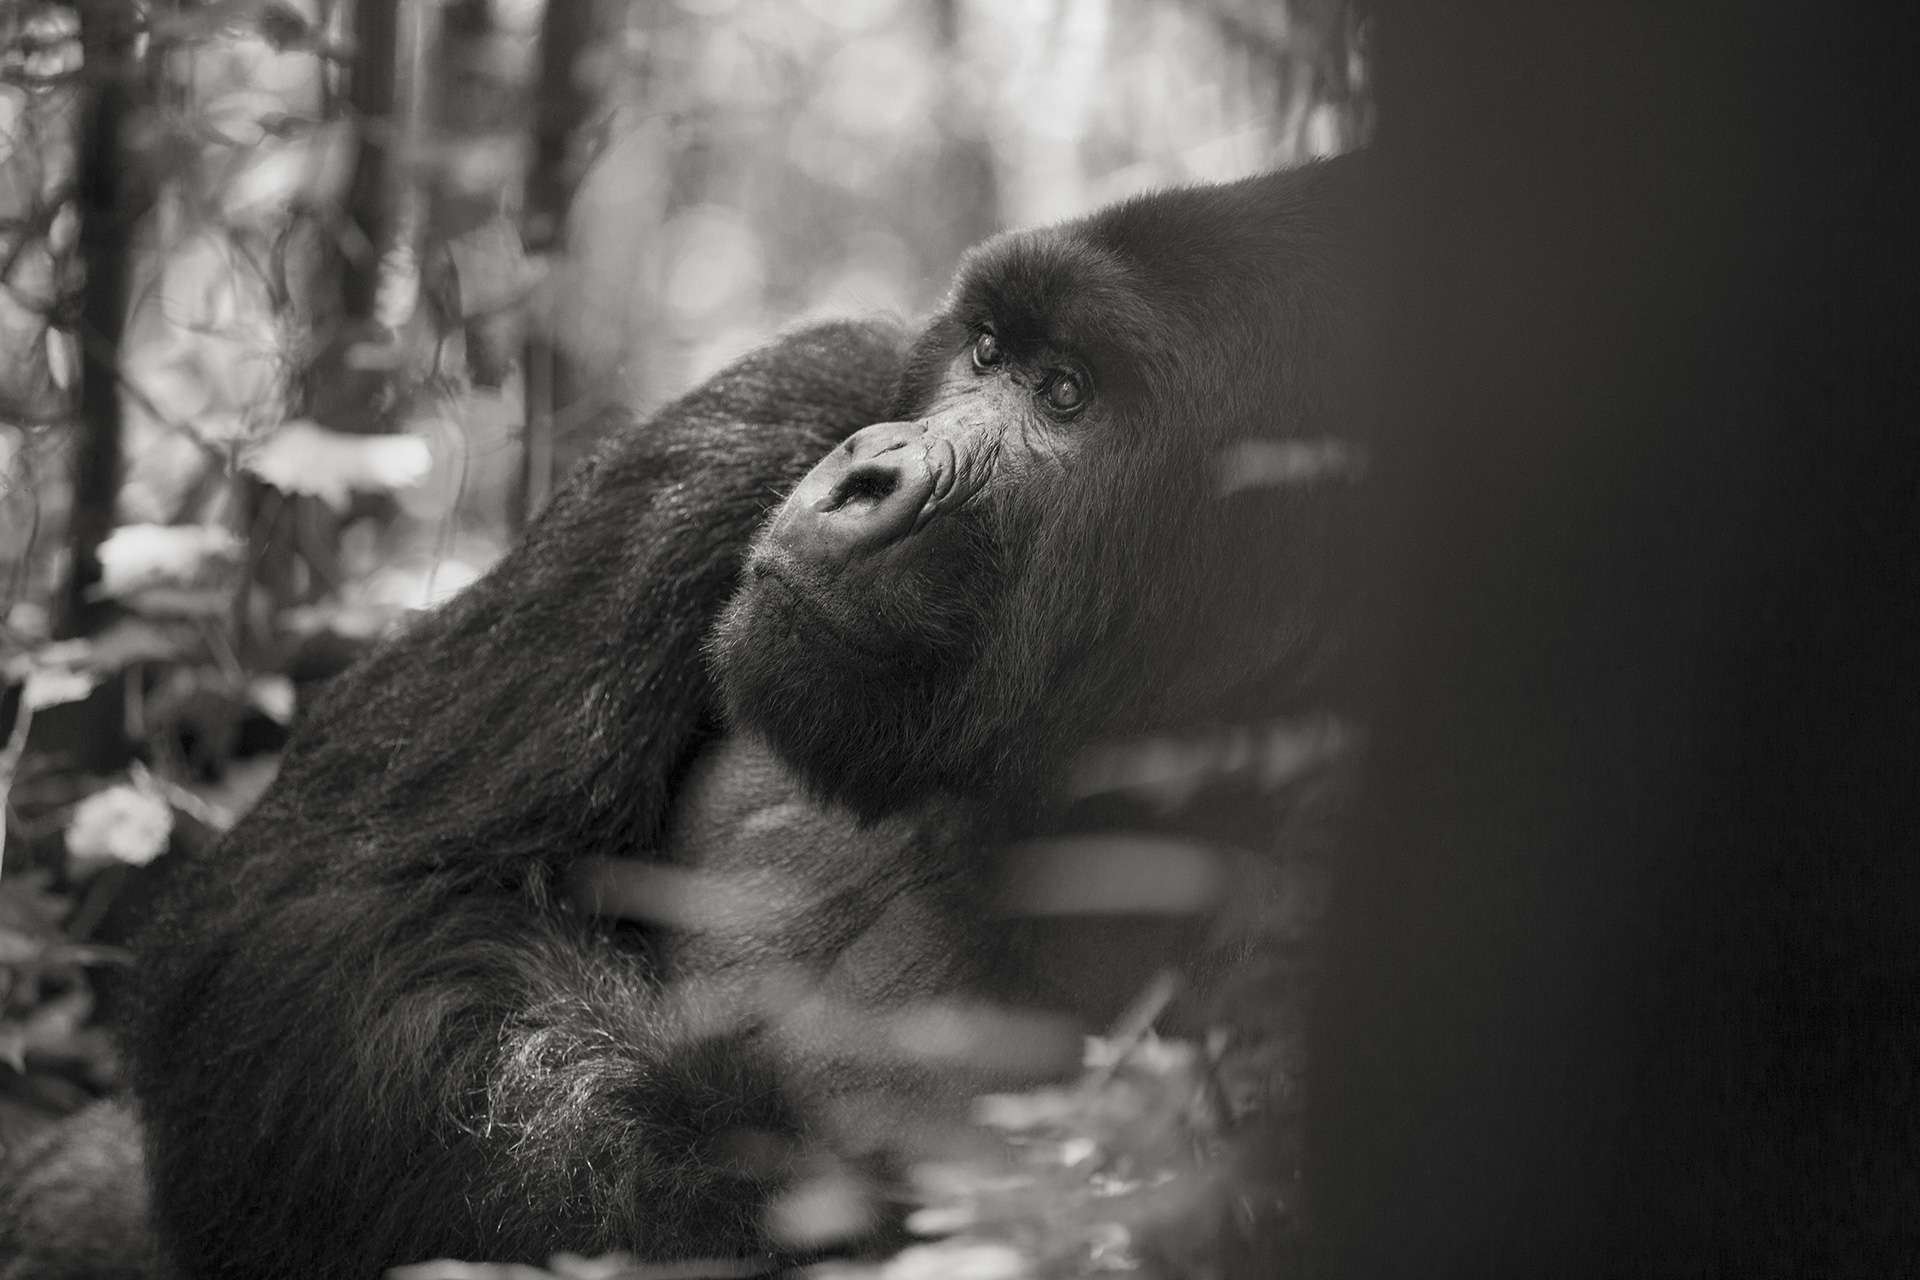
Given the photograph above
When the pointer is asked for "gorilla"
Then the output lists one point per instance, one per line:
(377, 1025)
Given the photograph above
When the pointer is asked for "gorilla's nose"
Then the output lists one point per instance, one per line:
(866, 494)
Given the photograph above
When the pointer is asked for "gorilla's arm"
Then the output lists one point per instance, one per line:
(371, 1034)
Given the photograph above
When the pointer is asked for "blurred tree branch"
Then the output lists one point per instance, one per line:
(112, 196)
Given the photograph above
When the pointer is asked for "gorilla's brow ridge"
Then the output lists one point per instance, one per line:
(1055, 290)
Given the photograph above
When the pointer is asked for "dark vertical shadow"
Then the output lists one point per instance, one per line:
(1626, 968)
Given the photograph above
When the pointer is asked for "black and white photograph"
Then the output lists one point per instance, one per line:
(959, 640)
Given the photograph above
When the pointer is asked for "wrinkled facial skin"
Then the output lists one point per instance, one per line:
(1035, 549)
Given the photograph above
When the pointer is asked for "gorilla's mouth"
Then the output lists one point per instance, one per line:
(800, 610)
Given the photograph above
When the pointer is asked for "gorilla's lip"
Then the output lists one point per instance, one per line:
(803, 608)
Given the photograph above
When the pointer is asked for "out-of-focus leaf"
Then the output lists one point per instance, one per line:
(824, 1209)
(1116, 873)
(493, 268)
(1260, 464)
(29, 620)
(172, 385)
(567, 1266)
(136, 556)
(53, 43)
(963, 1035)
(221, 804)
(182, 602)
(272, 696)
(129, 640)
(19, 948)
(957, 1259)
(64, 231)
(53, 1025)
(63, 358)
(353, 620)
(1087, 1178)
(51, 686)
(121, 823)
(304, 457)
(275, 176)
(60, 664)
(1170, 771)
(484, 164)
(418, 585)
(397, 294)
(236, 116)
(450, 1269)
(630, 889)
(984, 1037)
(384, 353)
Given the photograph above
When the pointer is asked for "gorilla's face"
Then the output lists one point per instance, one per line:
(1033, 550)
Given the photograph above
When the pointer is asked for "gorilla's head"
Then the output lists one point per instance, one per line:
(1050, 539)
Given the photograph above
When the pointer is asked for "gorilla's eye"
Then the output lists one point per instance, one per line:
(986, 351)
(1065, 394)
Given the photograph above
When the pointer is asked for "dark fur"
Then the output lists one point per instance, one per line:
(372, 1035)
(73, 1201)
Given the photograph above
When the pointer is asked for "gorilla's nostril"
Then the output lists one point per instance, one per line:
(847, 507)
(868, 484)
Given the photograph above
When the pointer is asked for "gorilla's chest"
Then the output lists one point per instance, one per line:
(885, 911)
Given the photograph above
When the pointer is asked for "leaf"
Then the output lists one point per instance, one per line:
(169, 378)
(29, 620)
(220, 804)
(137, 556)
(492, 267)
(235, 115)
(182, 602)
(829, 1207)
(122, 823)
(274, 175)
(1005, 1039)
(567, 1266)
(272, 696)
(1171, 771)
(51, 686)
(53, 1026)
(20, 949)
(958, 1259)
(129, 640)
(303, 457)
(452, 1269)
(1261, 464)
(397, 290)
(68, 670)
(1114, 873)
(63, 358)
(630, 889)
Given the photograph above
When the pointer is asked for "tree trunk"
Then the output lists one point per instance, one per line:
(110, 200)
(563, 106)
